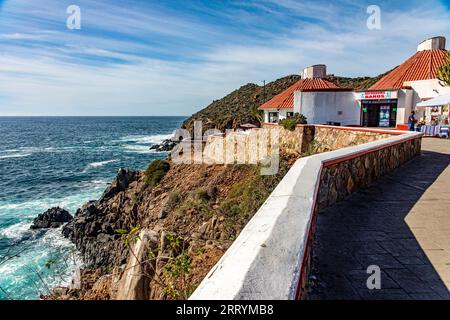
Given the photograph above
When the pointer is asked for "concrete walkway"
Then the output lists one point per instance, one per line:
(401, 224)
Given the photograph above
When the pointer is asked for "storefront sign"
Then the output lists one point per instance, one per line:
(370, 95)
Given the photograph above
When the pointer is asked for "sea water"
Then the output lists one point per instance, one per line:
(60, 161)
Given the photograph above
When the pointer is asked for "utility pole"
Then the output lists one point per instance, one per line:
(264, 96)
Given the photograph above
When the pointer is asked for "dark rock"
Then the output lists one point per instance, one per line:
(212, 192)
(122, 181)
(52, 218)
(93, 228)
(166, 145)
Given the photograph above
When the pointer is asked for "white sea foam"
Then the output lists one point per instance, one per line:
(9, 206)
(31, 265)
(63, 149)
(29, 209)
(19, 276)
(32, 149)
(28, 151)
(140, 143)
(15, 231)
(19, 155)
(153, 139)
(141, 149)
(98, 182)
(100, 163)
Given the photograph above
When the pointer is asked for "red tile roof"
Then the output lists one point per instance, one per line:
(421, 66)
(285, 100)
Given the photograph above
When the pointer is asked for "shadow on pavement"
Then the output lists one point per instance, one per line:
(370, 229)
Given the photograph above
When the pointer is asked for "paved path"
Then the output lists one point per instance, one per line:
(401, 224)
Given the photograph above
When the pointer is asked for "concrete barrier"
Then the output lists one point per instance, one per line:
(270, 258)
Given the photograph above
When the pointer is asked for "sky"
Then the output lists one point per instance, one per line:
(175, 57)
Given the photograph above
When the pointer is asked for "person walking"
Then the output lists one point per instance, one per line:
(412, 121)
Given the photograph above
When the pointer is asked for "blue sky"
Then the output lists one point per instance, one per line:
(174, 57)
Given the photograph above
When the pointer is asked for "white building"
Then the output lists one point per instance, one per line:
(386, 104)
(318, 99)
(389, 102)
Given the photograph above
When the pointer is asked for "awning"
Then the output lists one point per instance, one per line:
(438, 101)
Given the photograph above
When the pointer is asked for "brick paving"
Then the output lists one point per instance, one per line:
(401, 224)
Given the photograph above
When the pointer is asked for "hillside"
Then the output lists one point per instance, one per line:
(359, 83)
(193, 214)
(240, 106)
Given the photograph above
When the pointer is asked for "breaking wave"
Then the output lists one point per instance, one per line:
(19, 155)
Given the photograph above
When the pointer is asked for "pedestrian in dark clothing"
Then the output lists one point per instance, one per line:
(412, 121)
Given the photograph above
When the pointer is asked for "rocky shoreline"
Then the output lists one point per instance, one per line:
(183, 221)
(165, 145)
(93, 228)
(52, 218)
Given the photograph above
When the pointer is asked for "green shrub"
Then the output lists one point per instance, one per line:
(230, 207)
(290, 123)
(195, 207)
(155, 172)
(444, 72)
(203, 195)
(246, 198)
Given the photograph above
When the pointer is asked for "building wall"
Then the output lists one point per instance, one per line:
(427, 89)
(321, 107)
(404, 105)
(343, 107)
(282, 114)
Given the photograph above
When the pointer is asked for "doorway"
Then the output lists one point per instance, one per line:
(379, 113)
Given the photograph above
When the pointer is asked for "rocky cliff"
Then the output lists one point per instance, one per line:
(188, 219)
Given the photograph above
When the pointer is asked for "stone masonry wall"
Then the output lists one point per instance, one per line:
(340, 180)
(312, 139)
(290, 141)
(328, 139)
(304, 140)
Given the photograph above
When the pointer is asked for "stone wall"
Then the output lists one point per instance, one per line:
(290, 141)
(339, 180)
(312, 139)
(342, 177)
(250, 146)
(329, 138)
(253, 146)
(270, 259)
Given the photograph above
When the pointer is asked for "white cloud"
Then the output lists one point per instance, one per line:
(163, 64)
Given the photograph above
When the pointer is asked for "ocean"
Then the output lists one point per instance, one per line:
(60, 161)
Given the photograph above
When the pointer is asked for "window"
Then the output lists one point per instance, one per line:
(289, 114)
(273, 117)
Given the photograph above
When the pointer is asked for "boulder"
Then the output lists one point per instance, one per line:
(166, 145)
(123, 180)
(52, 218)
